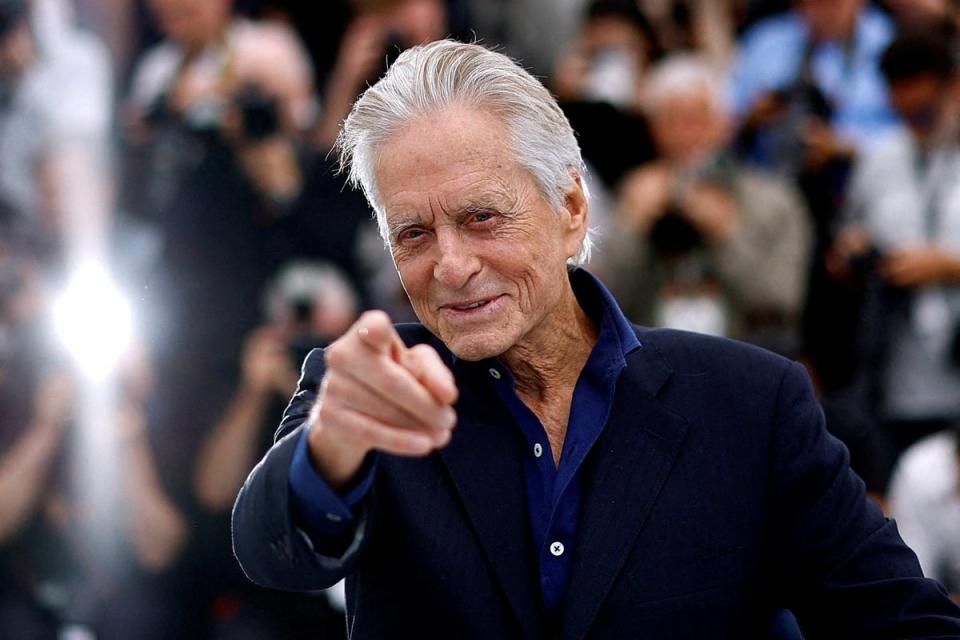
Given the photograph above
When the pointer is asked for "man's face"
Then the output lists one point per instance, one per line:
(481, 253)
(921, 102)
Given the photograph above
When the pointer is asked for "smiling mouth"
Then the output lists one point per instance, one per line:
(475, 305)
(470, 306)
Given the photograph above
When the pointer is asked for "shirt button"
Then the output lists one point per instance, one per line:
(556, 548)
(494, 373)
(537, 450)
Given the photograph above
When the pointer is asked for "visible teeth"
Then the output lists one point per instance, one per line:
(473, 306)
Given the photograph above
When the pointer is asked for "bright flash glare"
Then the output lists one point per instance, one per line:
(93, 321)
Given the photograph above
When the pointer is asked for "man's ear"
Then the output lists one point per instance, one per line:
(577, 214)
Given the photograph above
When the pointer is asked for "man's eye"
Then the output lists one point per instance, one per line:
(481, 216)
(411, 234)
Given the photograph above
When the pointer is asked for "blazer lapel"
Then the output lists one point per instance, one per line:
(483, 460)
(633, 458)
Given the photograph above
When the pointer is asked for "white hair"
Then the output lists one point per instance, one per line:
(683, 74)
(429, 78)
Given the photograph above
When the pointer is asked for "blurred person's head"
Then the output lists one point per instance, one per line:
(922, 77)
(686, 105)
(445, 75)
(311, 300)
(17, 45)
(192, 23)
(933, 15)
(619, 42)
(830, 19)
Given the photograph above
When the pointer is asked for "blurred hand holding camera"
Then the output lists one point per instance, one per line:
(822, 145)
(267, 365)
(711, 210)
(644, 196)
(649, 192)
(919, 267)
(854, 253)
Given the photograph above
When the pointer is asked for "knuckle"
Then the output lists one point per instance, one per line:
(423, 352)
(325, 412)
(336, 355)
(332, 386)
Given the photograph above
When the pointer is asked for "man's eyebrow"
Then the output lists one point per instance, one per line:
(397, 225)
(497, 200)
(500, 200)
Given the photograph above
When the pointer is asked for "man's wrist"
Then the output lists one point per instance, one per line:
(336, 462)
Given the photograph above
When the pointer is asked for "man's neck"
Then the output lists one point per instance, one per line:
(547, 365)
(551, 359)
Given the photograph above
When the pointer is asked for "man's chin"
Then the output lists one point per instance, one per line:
(475, 348)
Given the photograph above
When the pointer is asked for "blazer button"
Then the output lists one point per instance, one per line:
(556, 548)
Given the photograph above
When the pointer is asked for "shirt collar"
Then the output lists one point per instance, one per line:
(599, 304)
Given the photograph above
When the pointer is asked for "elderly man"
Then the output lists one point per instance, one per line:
(602, 480)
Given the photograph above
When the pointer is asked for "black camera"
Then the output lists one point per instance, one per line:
(866, 263)
(259, 113)
(672, 235)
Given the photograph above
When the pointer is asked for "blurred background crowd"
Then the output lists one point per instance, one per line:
(174, 238)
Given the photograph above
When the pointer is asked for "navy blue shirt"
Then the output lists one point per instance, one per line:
(553, 491)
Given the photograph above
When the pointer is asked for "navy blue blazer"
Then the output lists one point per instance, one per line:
(713, 498)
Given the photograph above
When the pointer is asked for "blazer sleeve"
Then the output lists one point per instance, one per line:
(272, 550)
(848, 572)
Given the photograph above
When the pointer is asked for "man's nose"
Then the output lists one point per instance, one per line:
(456, 261)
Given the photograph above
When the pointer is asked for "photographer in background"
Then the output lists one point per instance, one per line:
(809, 98)
(55, 105)
(378, 32)
(598, 82)
(902, 231)
(215, 115)
(806, 88)
(308, 305)
(247, 83)
(721, 249)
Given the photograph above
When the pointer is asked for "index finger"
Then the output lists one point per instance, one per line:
(375, 330)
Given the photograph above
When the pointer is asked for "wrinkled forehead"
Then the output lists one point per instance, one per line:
(455, 160)
(491, 194)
